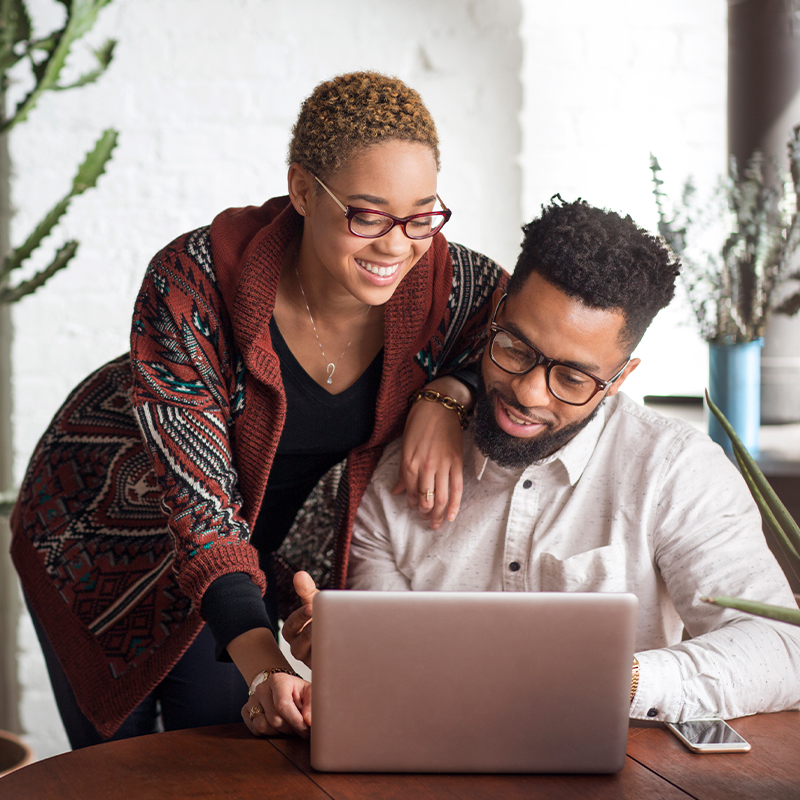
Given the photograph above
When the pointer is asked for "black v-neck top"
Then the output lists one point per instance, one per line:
(321, 429)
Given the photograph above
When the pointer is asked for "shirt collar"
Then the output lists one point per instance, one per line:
(574, 455)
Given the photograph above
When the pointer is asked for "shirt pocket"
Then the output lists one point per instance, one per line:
(601, 569)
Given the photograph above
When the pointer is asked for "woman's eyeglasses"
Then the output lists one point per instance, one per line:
(370, 224)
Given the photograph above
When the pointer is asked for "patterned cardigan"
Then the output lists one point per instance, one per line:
(146, 485)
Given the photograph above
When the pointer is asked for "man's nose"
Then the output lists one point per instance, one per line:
(530, 389)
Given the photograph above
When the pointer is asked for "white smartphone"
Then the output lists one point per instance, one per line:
(709, 736)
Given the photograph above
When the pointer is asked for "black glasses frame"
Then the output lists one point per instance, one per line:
(543, 360)
(350, 212)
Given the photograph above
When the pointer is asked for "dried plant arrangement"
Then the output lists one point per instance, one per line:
(733, 288)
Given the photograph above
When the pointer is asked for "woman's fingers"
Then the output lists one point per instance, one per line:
(279, 706)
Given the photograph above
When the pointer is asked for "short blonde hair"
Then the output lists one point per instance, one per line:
(353, 111)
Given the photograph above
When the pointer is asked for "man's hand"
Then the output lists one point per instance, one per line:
(297, 628)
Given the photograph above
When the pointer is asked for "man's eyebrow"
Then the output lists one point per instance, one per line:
(512, 328)
(382, 201)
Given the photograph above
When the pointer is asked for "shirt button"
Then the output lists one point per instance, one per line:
(514, 566)
(527, 484)
(652, 712)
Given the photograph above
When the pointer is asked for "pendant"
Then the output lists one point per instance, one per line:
(331, 370)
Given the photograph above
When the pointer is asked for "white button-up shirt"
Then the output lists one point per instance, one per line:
(634, 503)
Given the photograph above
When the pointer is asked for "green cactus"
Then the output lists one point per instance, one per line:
(46, 58)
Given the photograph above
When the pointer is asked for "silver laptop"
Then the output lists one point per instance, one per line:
(471, 681)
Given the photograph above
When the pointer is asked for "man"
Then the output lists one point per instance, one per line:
(571, 486)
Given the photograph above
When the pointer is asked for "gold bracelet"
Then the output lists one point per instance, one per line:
(448, 402)
(634, 678)
(265, 675)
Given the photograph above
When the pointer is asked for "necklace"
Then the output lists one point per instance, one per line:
(330, 366)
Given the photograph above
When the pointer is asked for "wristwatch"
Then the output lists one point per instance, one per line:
(262, 676)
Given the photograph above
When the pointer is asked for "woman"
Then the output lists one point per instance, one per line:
(266, 349)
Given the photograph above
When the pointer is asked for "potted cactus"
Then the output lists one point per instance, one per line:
(37, 62)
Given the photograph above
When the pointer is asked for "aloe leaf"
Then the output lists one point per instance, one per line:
(782, 516)
(62, 258)
(769, 518)
(790, 615)
(86, 177)
(81, 15)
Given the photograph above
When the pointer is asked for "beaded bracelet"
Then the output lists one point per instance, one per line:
(445, 400)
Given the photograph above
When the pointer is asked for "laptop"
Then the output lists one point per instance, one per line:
(471, 681)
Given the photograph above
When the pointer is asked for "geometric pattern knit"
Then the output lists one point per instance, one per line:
(146, 485)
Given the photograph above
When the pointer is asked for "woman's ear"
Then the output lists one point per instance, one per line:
(300, 188)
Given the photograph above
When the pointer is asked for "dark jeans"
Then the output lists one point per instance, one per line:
(198, 691)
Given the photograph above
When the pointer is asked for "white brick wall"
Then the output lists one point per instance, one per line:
(605, 84)
(204, 93)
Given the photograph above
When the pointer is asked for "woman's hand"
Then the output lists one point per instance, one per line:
(280, 704)
(431, 462)
(297, 628)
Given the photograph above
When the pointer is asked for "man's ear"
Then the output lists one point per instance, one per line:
(497, 295)
(615, 387)
(301, 188)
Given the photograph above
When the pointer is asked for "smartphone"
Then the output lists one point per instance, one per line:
(709, 736)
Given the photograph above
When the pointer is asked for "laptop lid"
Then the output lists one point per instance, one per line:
(471, 681)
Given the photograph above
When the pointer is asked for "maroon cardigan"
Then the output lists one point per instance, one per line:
(120, 529)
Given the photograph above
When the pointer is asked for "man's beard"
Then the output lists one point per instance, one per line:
(510, 451)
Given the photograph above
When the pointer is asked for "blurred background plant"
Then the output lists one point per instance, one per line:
(734, 288)
(30, 66)
(45, 58)
(775, 516)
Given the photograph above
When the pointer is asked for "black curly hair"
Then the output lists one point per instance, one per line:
(601, 258)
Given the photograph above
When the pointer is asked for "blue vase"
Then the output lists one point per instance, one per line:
(735, 387)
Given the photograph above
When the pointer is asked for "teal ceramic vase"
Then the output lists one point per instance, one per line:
(735, 387)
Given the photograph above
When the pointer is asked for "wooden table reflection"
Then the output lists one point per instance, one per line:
(225, 761)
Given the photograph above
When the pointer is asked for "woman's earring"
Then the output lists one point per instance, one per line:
(302, 210)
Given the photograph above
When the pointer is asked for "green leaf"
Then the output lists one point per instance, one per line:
(787, 528)
(15, 25)
(770, 520)
(81, 16)
(86, 177)
(62, 258)
(104, 56)
(95, 162)
(790, 615)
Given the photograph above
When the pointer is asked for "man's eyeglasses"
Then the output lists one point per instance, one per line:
(371, 224)
(570, 385)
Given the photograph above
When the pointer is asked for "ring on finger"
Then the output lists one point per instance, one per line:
(428, 495)
(255, 711)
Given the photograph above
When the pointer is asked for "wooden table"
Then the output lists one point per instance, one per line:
(227, 762)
